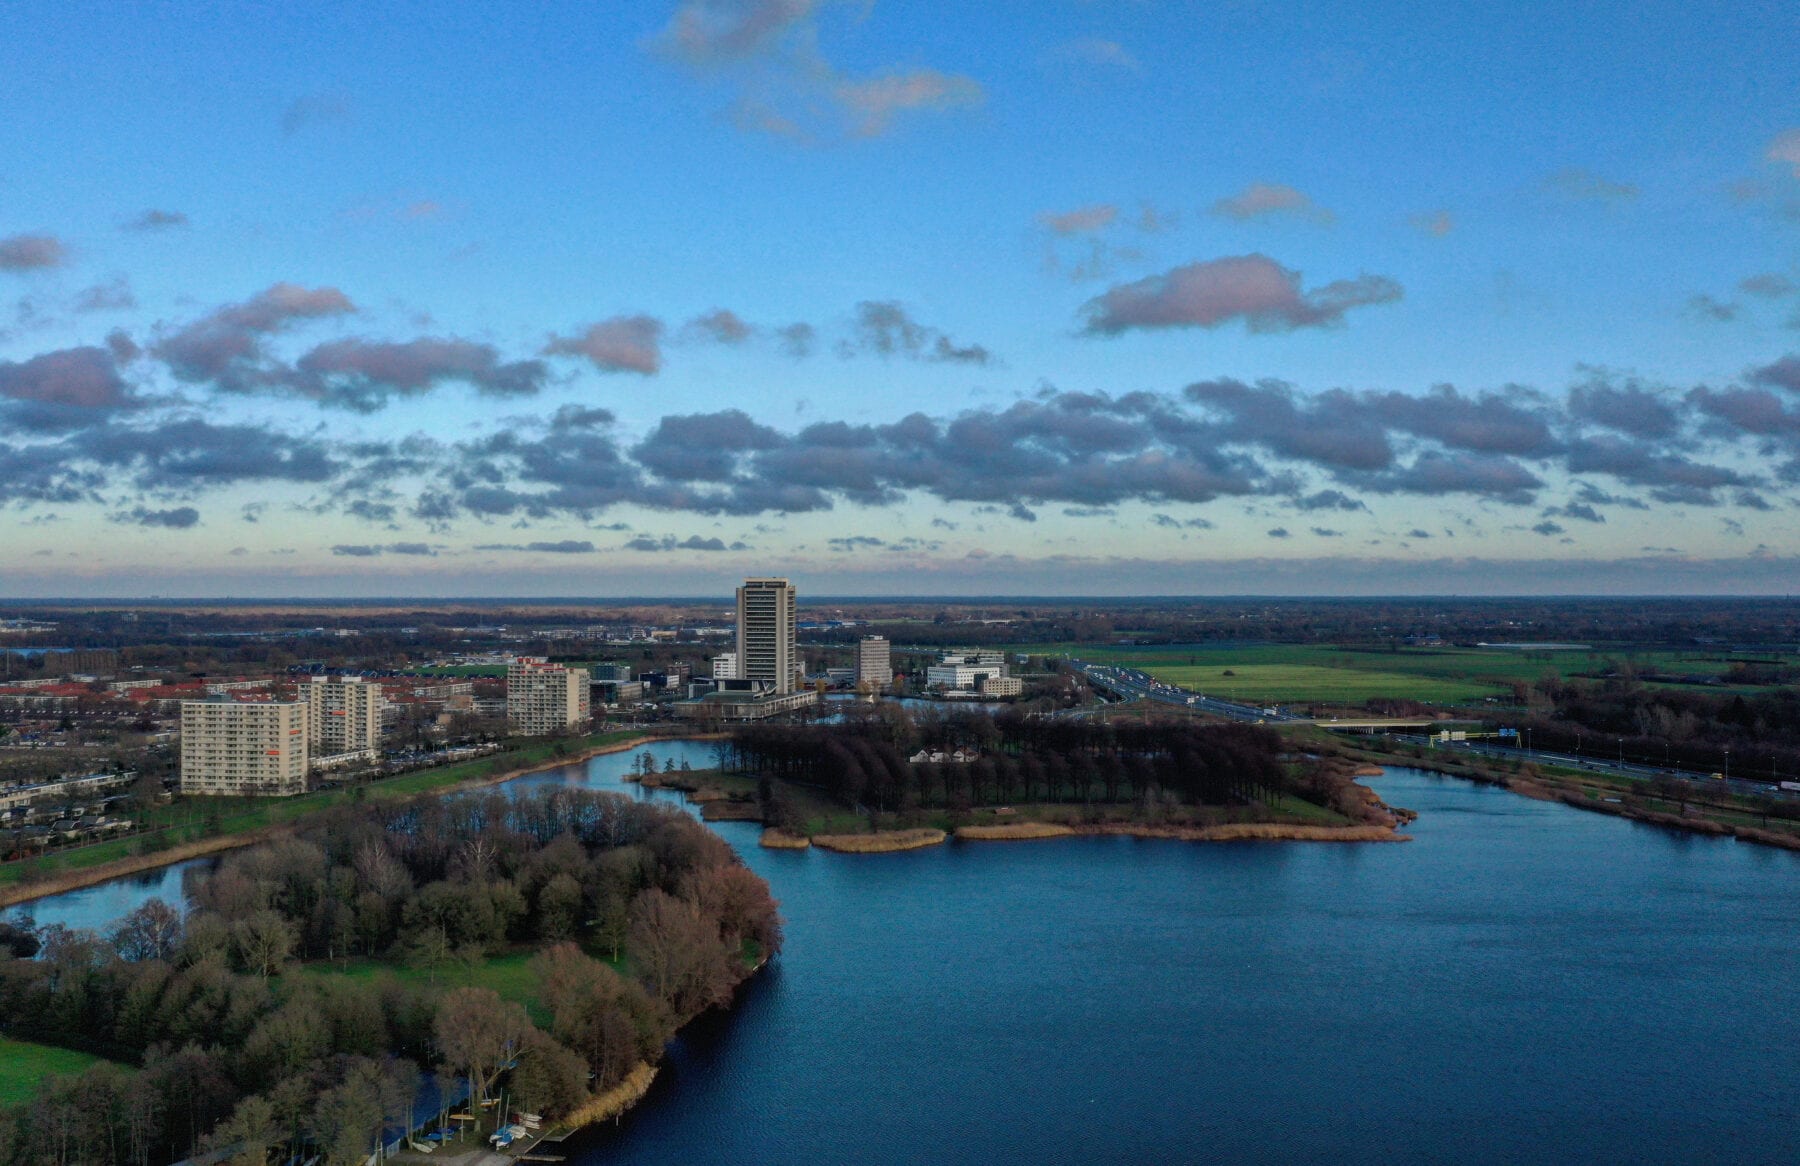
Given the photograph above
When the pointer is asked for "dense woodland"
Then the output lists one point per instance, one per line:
(867, 763)
(236, 1027)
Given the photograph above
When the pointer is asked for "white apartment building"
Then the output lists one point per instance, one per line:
(874, 663)
(725, 666)
(343, 715)
(766, 618)
(241, 748)
(966, 669)
(544, 698)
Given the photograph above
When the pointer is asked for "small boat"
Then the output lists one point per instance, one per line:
(421, 1147)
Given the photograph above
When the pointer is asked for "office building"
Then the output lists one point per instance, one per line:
(965, 669)
(544, 698)
(725, 666)
(874, 663)
(343, 715)
(766, 648)
(241, 748)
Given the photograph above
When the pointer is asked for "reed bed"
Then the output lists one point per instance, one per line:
(775, 839)
(880, 842)
(1011, 831)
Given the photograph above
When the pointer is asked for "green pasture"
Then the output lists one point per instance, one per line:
(1297, 673)
(23, 1064)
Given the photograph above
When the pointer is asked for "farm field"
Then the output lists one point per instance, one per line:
(1295, 673)
(23, 1064)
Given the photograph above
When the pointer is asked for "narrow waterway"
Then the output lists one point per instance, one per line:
(1523, 982)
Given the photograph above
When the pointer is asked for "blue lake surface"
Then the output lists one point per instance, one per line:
(1524, 982)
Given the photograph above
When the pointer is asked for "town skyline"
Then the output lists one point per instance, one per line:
(1116, 300)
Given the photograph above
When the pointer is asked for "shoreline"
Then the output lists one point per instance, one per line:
(63, 882)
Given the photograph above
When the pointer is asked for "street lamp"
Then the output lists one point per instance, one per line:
(1621, 753)
(1727, 763)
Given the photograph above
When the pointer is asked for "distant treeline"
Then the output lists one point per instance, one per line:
(1687, 727)
(1015, 757)
(237, 1044)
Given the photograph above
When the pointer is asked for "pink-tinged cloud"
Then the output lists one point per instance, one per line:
(1437, 224)
(227, 345)
(1783, 374)
(722, 32)
(31, 252)
(1785, 149)
(1093, 52)
(361, 374)
(86, 377)
(874, 102)
(157, 220)
(721, 326)
(1253, 288)
(1270, 198)
(621, 344)
(1081, 220)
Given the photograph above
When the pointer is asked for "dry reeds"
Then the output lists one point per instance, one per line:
(1013, 831)
(781, 840)
(880, 842)
(614, 1101)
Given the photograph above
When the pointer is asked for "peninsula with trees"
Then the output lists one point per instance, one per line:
(387, 964)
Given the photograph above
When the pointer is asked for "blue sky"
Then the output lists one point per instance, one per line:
(1072, 297)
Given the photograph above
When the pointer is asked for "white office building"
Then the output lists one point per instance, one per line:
(965, 669)
(725, 666)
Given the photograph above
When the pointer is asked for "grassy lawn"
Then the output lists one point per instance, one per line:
(509, 975)
(23, 1064)
(1295, 683)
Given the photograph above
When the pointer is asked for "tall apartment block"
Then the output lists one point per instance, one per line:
(874, 663)
(343, 714)
(236, 748)
(544, 698)
(766, 650)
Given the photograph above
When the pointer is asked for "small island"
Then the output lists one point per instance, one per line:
(473, 969)
(885, 780)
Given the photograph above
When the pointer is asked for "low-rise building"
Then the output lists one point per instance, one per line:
(745, 700)
(965, 670)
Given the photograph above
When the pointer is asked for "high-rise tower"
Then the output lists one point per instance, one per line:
(765, 633)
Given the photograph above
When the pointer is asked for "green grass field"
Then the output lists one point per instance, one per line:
(1298, 673)
(23, 1064)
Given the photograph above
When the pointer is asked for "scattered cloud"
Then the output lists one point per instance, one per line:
(1767, 284)
(1437, 224)
(362, 375)
(1705, 307)
(321, 109)
(721, 326)
(180, 518)
(885, 328)
(767, 52)
(1279, 532)
(1548, 529)
(370, 550)
(1577, 183)
(620, 344)
(1266, 296)
(1784, 149)
(568, 546)
(1093, 54)
(112, 296)
(31, 252)
(156, 220)
(226, 347)
(1263, 199)
(669, 542)
(1080, 221)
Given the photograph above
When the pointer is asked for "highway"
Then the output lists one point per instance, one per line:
(1132, 684)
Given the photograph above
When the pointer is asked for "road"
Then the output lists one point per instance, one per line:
(1133, 684)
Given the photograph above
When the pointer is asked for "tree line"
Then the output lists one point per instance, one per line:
(232, 1026)
(1012, 757)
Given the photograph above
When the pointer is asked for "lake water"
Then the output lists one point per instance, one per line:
(1524, 982)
